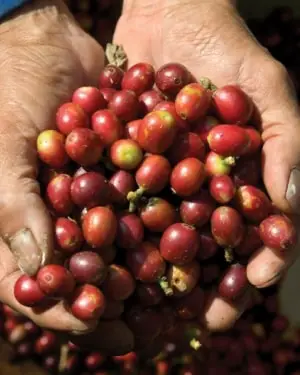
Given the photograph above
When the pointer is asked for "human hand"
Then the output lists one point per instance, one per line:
(210, 38)
(45, 56)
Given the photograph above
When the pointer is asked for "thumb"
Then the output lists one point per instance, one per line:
(25, 224)
(281, 150)
(26, 227)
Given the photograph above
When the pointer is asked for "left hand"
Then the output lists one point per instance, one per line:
(211, 39)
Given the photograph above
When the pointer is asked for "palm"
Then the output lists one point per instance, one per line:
(41, 68)
(212, 41)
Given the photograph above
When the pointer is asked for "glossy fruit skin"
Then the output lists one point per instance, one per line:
(179, 244)
(250, 242)
(126, 154)
(93, 361)
(107, 93)
(232, 105)
(182, 125)
(192, 102)
(146, 263)
(130, 230)
(121, 183)
(253, 203)
(89, 99)
(45, 343)
(87, 267)
(228, 140)
(208, 246)
(183, 279)
(149, 294)
(186, 145)
(138, 78)
(70, 116)
(111, 77)
(191, 305)
(27, 291)
(234, 282)
(153, 174)
(125, 105)
(187, 177)
(131, 129)
(158, 214)
(171, 78)
(113, 310)
(255, 140)
(94, 168)
(51, 148)
(217, 165)
(197, 209)
(89, 190)
(148, 100)
(278, 233)
(119, 285)
(204, 126)
(107, 125)
(157, 132)
(222, 189)
(84, 146)
(55, 281)
(87, 303)
(247, 171)
(227, 226)
(99, 226)
(144, 322)
(68, 235)
(59, 194)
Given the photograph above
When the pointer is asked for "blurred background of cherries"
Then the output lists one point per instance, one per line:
(261, 343)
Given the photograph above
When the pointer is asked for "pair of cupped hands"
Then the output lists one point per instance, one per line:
(45, 56)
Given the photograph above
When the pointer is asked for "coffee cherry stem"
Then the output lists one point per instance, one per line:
(115, 55)
(195, 344)
(134, 198)
(228, 254)
(207, 84)
(163, 282)
(230, 160)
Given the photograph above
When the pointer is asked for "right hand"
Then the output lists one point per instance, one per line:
(45, 56)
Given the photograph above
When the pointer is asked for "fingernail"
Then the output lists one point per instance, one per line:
(26, 251)
(266, 267)
(293, 190)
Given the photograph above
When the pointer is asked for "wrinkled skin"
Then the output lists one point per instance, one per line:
(44, 57)
(211, 39)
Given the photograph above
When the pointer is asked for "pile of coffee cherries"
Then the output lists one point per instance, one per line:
(153, 182)
(261, 343)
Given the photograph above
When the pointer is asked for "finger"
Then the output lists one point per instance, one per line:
(281, 151)
(112, 337)
(221, 315)
(266, 266)
(25, 225)
(55, 316)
